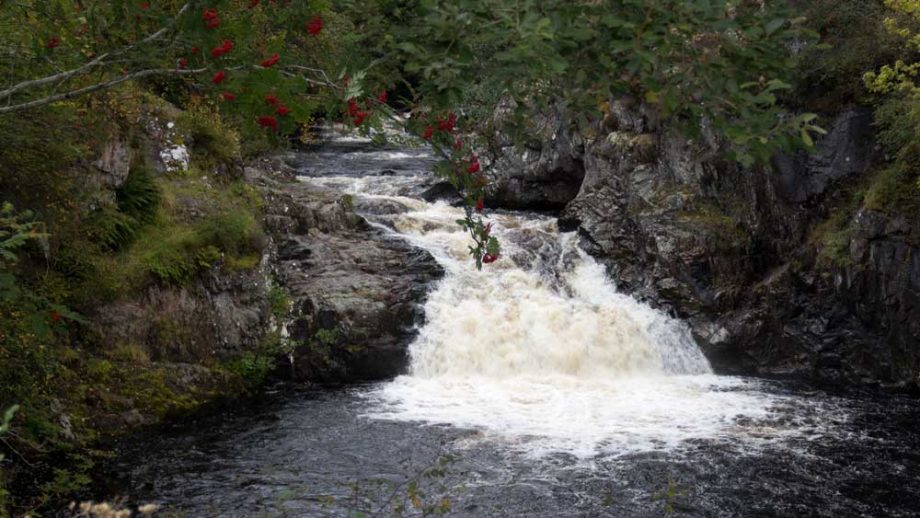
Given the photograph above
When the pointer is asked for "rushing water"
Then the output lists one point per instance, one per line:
(535, 389)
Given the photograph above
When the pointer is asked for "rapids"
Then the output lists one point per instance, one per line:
(535, 389)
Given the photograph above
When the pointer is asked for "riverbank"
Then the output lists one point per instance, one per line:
(229, 275)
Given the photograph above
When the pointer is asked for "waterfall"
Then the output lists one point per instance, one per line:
(539, 349)
(557, 315)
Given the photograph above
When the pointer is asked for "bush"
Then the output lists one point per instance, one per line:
(113, 229)
(233, 233)
(898, 119)
(855, 32)
(212, 143)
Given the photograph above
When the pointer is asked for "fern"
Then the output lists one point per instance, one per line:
(113, 229)
(140, 196)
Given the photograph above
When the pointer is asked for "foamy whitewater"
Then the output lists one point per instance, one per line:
(540, 350)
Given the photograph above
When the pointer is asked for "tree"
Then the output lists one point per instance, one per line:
(898, 90)
(901, 76)
(272, 64)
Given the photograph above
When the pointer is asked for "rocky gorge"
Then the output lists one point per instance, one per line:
(744, 255)
(533, 387)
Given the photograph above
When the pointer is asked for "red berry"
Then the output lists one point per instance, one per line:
(267, 121)
(489, 258)
(54, 42)
(270, 62)
(224, 47)
(353, 107)
(219, 77)
(474, 166)
(228, 96)
(315, 25)
(429, 132)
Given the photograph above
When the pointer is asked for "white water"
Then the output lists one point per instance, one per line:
(540, 351)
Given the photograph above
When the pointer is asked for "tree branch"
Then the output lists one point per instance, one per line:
(100, 86)
(99, 60)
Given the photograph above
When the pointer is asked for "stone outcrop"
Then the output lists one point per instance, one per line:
(543, 173)
(357, 292)
(219, 317)
(730, 250)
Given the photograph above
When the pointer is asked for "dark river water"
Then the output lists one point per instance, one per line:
(312, 454)
(536, 389)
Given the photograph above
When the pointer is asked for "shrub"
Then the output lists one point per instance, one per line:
(113, 229)
(231, 232)
(855, 40)
(212, 143)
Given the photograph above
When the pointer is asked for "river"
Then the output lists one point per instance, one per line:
(535, 389)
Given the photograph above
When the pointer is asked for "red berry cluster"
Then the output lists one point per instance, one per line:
(211, 18)
(315, 26)
(464, 171)
(358, 114)
(268, 121)
(225, 47)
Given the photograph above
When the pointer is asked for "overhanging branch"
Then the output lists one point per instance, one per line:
(98, 61)
(96, 87)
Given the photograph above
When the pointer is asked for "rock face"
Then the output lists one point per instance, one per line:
(357, 293)
(543, 173)
(729, 250)
(218, 317)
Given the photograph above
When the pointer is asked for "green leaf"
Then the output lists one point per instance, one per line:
(774, 25)
(806, 138)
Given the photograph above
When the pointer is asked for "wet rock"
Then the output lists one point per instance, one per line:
(441, 191)
(218, 317)
(356, 291)
(727, 249)
(847, 150)
(542, 174)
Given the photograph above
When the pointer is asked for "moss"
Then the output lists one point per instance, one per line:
(834, 247)
(894, 192)
(253, 367)
(832, 236)
(100, 370)
(244, 262)
(721, 229)
(280, 301)
(198, 226)
(130, 353)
